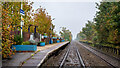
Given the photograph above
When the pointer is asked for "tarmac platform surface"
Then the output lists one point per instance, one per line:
(32, 58)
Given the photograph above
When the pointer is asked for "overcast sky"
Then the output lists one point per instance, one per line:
(72, 15)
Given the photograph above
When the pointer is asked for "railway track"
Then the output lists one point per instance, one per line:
(103, 53)
(71, 57)
(78, 56)
(109, 63)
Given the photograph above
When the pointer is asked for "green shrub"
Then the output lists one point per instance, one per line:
(40, 42)
(26, 43)
(18, 39)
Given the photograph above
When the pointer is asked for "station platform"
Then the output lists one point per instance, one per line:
(40, 56)
(35, 59)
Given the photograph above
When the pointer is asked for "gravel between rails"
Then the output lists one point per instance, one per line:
(72, 58)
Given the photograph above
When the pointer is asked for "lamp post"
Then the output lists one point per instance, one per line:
(51, 31)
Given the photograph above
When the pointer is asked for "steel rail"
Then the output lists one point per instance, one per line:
(80, 59)
(66, 54)
(99, 56)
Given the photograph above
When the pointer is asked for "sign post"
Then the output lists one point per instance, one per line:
(22, 19)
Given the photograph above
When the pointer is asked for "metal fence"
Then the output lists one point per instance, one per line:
(106, 48)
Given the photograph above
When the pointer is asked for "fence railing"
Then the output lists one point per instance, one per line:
(109, 49)
(106, 48)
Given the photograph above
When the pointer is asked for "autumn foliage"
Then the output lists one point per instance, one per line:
(11, 19)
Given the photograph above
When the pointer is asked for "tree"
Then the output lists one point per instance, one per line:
(88, 30)
(43, 21)
(7, 38)
(81, 36)
(10, 22)
(11, 19)
(106, 26)
(107, 22)
(66, 34)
